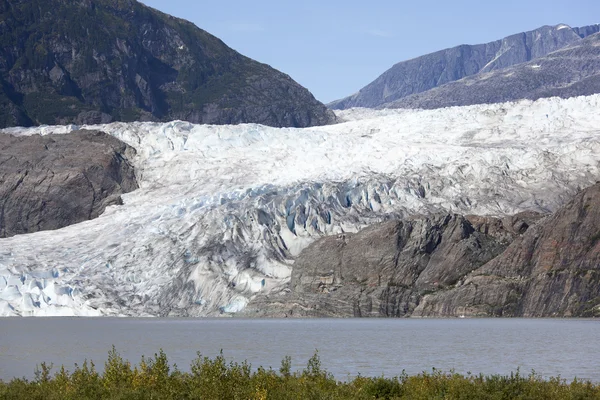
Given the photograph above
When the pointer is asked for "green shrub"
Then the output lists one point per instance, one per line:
(156, 378)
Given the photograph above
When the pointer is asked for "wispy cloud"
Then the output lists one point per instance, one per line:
(245, 27)
(378, 33)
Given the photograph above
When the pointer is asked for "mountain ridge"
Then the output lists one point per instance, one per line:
(432, 70)
(97, 61)
(571, 71)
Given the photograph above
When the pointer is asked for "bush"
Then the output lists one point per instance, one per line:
(155, 378)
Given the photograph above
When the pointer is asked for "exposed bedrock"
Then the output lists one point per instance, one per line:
(386, 269)
(552, 270)
(48, 182)
(453, 266)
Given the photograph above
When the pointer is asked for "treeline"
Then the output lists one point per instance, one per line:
(156, 378)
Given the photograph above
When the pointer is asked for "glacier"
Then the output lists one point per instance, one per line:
(222, 211)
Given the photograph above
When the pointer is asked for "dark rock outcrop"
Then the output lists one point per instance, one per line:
(96, 61)
(504, 229)
(450, 266)
(432, 70)
(385, 269)
(552, 270)
(570, 71)
(48, 182)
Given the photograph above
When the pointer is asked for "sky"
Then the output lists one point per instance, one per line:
(334, 48)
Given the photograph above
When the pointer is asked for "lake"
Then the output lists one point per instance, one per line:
(347, 347)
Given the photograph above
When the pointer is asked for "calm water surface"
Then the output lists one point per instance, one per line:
(372, 347)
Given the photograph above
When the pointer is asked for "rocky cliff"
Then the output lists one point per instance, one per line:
(386, 269)
(48, 182)
(453, 266)
(96, 61)
(552, 270)
(432, 70)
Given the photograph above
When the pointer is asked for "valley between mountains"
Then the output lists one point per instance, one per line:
(465, 211)
(148, 169)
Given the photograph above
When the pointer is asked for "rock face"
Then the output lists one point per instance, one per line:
(96, 61)
(568, 72)
(552, 270)
(454, 266)
(432, 70)
(504, 229)
(386, 269)
(587, 30)
(48, 182)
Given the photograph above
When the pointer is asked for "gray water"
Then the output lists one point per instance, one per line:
(372, 347)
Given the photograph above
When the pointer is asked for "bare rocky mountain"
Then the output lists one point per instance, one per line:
(571, 71)
(48, 182)
(450, 266)
(432, 70)
(97, 61)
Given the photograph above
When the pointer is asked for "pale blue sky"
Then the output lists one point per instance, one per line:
(336, 47)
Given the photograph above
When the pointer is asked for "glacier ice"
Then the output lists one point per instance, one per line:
(223, 210)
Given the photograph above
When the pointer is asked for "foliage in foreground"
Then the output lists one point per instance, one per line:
(155, 378)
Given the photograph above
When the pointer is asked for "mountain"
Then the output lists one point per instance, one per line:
(571, 71)
(432, 70)
(225, 215)
(97, 61)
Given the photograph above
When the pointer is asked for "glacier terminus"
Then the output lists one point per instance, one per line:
(222, 211)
